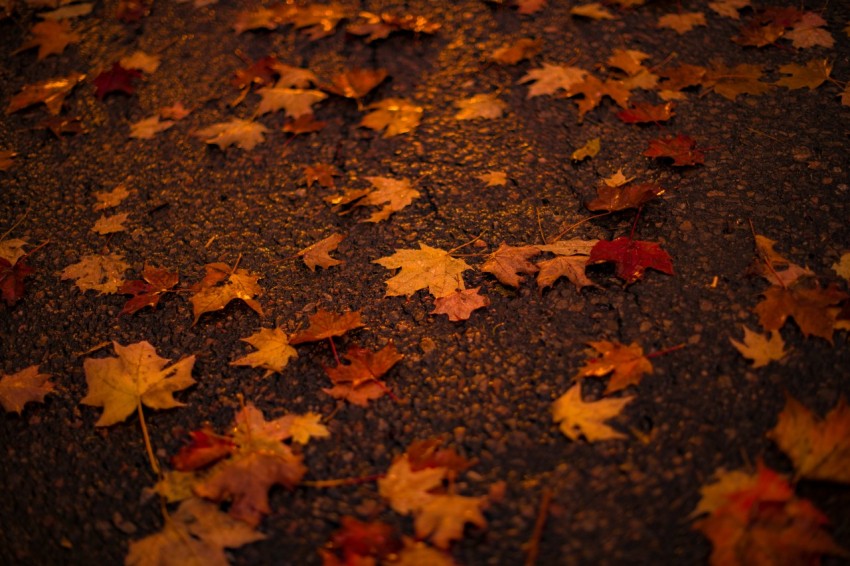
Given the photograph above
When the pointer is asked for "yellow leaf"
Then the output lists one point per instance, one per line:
(714, 495)
(590, 149)
(729, 8)
(758, 348)
(101, 273)
(480, 106)
(683, 22)
(406, 490)
(580, 418)
(841, 267)
(443, 518)
(425, 268)
(294, 101)
(141, 61)
(494, 178)
(304, 427)
(812, 75)
(549, 78)
(273, 351)
(13, 249)
(110, 199)
(319, 253)
(243, 133)
(393, 115)
(147, 128)
(138, 376)
(594, 11)
(110, 224)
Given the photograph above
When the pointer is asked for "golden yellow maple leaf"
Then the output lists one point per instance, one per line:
(406, 490)
(26, 386)
(138, 376)
(818, 448)
(393, 116)
(480, 106)
(391, 194)
(110, 224)
(220, 285)
(101, 273)
(494, 178)
(841, 267)
(426, 268)
(110, 199)
(593, 10)
(628, 60)
(13, 249)
(443, 517)
(590, 149)
(682, 23)
(147, 128)
(549, 78)
(579, 418)
(304, 427)
(294, 101)
(273, 351)
(759, 348)
(146, 62)
(626, 364)
(51, 37)
(245, 134)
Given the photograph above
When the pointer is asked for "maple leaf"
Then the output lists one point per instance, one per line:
(356, 83)
(259, 73)
(494, 178)
(13, 249)
(357, 540)
(325, 324)
(51, 92)
(819, 448)
(295, 102)
(148, 127)
(841, 267)
(110, 224)
(443, 518)
(513, 53)
(174, 112)
(487, 106)
(305, 124)
(729, 8)
(321, 173)
(460, 304)
(632, 257)
(380, 26)
(590, 149)
(141, 61)
(392, 115)
(808, 32)
(628, 60)
(812, 75)
(682, 77)
(570, 262)
(197, 533)
(393, 194)
(682, 22)
(508, 263)
(259, 461)
(316, 20)
(304, 427)
(51, 37)
(246, 134)
(211, 296)
(273, 351)
(626, 364)
(773, 261)
(426, 268)
(758, 348)
(101, 273)
(759, 520)
(613, 199)
(137, 377)
(681, 149)
(359, 381)
(416, 553)
(12, 277)
(811, 308)
(550, 78)
(147, 292)
(579, 418)
(117, 79)
(593, 11)
(25, 386)
(593, 90)
(408, 490)
(206, 447)
(318, 253)
(641, 113)
(111, 199)
(732, 82)
(59, 125)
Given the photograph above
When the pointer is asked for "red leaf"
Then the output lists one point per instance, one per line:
(147, 292)
(680, 149)
(12, 279)
(358, 540)
(206, 447)
(643, 112)
(632, 257)
(117, 79)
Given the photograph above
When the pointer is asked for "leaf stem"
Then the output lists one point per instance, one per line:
(563, 232)
(473, 240)
(333, 349)
(15, 225)
(533, 544)
(634, 224)
(665, 351)
(154, 464)
(342, 481)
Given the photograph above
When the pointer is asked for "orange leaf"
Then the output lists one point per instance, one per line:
(325, 324)
(25, 386)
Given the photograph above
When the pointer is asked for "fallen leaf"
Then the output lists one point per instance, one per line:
(426, 268)
(205, 448)
(315, 20)
(59, 125)
(579, 418)
(391, 194)
(110, 224)
(321, 173)
(51, 92)
(12, 277)
(593, 10)
(117, 79)
(417, 553)
(513, 53)
(243, 133)
(681, 149)
(148, 127)
(818, 448)
(138, 376)
(772, 264)
(393, 116)
(149, 290)
(111, 199)
(842, 266)
(590, 149)
(325, 324)
(626, 364)
(362, 374)
(460, 304)
(486, 106)
(51, 37)
(613, 199)
(729, 8)
(526, 7)
(443, 518)
(758, 348)
(812, 75)
(380, 26)
(570, 262)
(174, 112)
(197, 533)
(141, 61)
(221, 285)
(632, 257)
(13, 249)
(618, 179)
(68, 12)
(592, 91)
(101, 273)
(509, 263)
(356, 541)
(811, 308)
(494, 178)
(808, 32)
(642, 113)
(305, 124)
(295, 102)
(318, 253)
(730, 82)
(682, 22)
(273, 351)
(550, 78)
(304, 427)
(628, 60)
(25, 386)
(408, 490)
(356, 83)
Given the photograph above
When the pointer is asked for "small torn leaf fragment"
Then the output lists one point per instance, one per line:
(138, 376)
(730, 82)
(147, 128)
(141, 61)
(111, 199)
(632, 257)
(147, 292)
(117, 79)
(593, 11)
(486, 106)
(626, 364)
(318, 253)
(295, 102)
(221, 285)
(613, 199)
(359, 381)
(273, 351)
(393, 116)
(494, 178)
(576, 417)
(811, 75)
(681, 149)
(642, 113)
(426, 268)
(51, 93)
(380, 26)
(245, 134)
(460, 304)
(811, 308)
(819, 448)
(25, 386)
(51, 37)
(325, 324)
(760, 349)
(197, 533)
(12, 277)
(110, 224)
(682, 22)
(513, 53)
(510, 263)
(729, 8)
(590, 149)
(59, 125)
(355, 83)
(101, 273)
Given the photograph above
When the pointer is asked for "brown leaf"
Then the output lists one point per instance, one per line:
(110, 224)
(51, 92)
(149, 290)
(51, 37)
(550, 78)
(356, 83)
(25, 386)
(508, 263)
(486, 106)
(758, 348)
(682, 22)
(812, 75)
(325, 324)
(318, 253)
(513, 53)
(322, 173)
(242, 133)
(393, 116)
(813, 309)
(626, 364)
(101, 273)
(221, 285)
(730, 82)
(460, 304)
(613, 199)
(587, 418)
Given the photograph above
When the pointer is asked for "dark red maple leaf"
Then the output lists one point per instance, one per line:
(117, 79)
(365, 365)
(12, 279)
(205, 448)
(148, 291)
(356, 541)
(681, 149)
(632, 257)
(642, 112)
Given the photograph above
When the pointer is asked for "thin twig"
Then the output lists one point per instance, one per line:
(533, 544)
